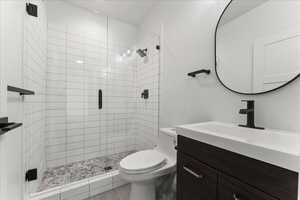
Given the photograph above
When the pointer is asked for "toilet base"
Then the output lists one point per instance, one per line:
(144, 190)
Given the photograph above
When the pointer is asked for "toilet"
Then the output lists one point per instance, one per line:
(142, 168)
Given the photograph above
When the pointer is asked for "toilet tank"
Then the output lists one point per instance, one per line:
(167, 141)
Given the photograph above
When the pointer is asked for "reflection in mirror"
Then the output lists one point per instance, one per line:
(258, 45)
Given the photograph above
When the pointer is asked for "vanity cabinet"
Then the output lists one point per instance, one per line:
(230, 189)
(206, 172)
(195, 175)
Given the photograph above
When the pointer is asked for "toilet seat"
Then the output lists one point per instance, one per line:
(143, 162)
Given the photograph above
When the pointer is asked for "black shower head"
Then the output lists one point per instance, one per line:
(142, 52)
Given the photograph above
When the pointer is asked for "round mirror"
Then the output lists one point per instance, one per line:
(258, 45)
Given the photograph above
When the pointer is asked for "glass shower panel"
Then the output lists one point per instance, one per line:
(120, 99)
(81, 140)
(75, 93)
(56, 97)
(95, 63)
(80, 65)
(75, 74)
(87, 53)
(148, 78)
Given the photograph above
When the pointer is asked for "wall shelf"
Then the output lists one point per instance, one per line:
(5, 126)
(19, 90)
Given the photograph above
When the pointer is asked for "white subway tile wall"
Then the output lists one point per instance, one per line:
(148, 77)
(34, 78)
(78, 67)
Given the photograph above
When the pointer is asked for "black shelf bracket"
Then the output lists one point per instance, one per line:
(31, 175)
(19, 90)
(205, 71)
(5, 126)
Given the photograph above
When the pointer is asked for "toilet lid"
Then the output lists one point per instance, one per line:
(143, 161)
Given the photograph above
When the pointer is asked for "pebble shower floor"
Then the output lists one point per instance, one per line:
(58, 176)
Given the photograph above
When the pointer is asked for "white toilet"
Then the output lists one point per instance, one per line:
(142, 168)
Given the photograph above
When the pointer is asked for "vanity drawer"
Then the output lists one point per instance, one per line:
(276, 181)
(231, 189)
(197, 181)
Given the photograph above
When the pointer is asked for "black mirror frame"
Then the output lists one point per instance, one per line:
(216, 71)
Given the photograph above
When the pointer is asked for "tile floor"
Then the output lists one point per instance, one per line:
(165, 190)
(121, 193)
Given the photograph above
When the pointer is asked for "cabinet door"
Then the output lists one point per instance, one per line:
(196, 181)
(232, 189)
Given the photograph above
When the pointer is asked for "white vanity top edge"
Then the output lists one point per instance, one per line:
(280, 155)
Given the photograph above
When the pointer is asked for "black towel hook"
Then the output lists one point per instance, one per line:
(205, 71)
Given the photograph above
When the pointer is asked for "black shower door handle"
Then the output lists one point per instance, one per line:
(100, 99)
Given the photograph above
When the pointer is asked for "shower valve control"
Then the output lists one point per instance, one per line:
(145, 94)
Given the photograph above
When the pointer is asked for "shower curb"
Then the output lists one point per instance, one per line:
(82, 189)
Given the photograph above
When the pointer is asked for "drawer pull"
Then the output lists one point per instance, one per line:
(235, 197)
(193, 173)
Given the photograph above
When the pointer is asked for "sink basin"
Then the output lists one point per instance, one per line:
(275, 140)
(276, 147)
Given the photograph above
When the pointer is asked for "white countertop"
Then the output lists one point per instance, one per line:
(279, 148)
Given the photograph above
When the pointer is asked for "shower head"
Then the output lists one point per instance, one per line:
(142, 52)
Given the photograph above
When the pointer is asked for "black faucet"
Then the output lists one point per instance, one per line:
(249, 111)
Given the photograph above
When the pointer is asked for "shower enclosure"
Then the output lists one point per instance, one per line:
(91, 111)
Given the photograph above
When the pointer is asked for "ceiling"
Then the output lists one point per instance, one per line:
(132, 12)
(239, 8)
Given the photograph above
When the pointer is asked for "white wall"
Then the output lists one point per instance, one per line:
(23, 65)
(11, 174)
(75, 19)
(11, 171)
(2, 114)
(189, 45)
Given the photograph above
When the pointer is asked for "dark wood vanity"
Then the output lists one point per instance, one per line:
(206, 172)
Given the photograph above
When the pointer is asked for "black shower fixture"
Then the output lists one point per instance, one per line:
(145, 94)
(32, 9)
(142, 52)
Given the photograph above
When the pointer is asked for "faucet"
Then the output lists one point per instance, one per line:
(249, 111)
